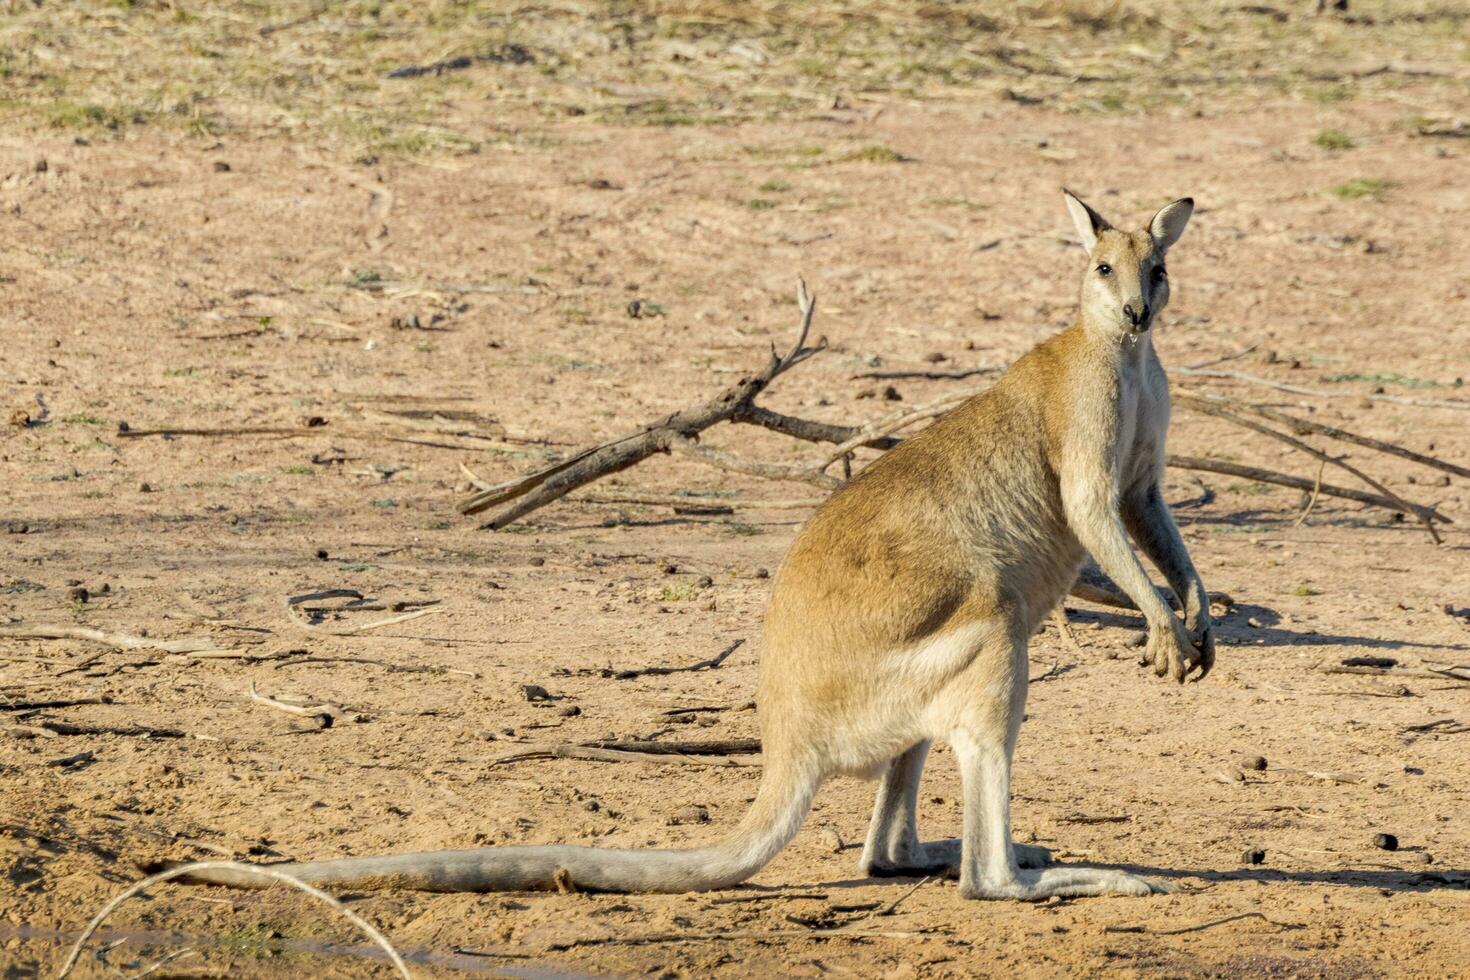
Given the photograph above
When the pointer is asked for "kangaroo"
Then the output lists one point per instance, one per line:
(903, 610)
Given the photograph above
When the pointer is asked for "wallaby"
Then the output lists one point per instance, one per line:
(903, 610)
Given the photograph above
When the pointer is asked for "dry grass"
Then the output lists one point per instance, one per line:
(317, 71)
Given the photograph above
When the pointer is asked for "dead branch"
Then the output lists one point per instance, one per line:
(768, 471)
(118, 641)
(293, 609)
(1204, 925)
(288, 660)
(925, 375)
(1259, 475)
(711, 664)
(1301, 427)
(595, 754)
(677, 501)
(891, 424)
(591, 464)
(712, 753)
(1209, 407)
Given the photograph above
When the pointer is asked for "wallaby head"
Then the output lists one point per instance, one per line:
(1126, 284)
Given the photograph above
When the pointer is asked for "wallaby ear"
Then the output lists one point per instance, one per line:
(1089, 223)
(1169, 223)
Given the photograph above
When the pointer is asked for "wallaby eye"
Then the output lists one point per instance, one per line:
(1160, 274)
(1104, 270)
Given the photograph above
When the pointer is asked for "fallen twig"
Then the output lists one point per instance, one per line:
(63, 703)
(595, 462)
(330, 711)
(926, 375)
(294, 603)
(255, 869)
(1312, 500)
(709, 753)
(595, 754)
(131, 731)
(1444, 726)
(711, 664)
(1210, 407)
(699, 937)
(1303, 427)
(1204, 925)
(1259, 475)
(118, 641)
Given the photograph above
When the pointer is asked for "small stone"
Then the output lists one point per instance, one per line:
(1253, 856)
(831, 841)
(936, 358)
(124, 427)
(592, 806)
(890, 394)
(1386, 842)
(535, 692)
(1256, 763)
(705, 582)
(42, 166)
(220, 167)
(569, 711)
(691, 814)
(145, 488)
(1424, 857)
(669, 568)
(1138, 639)
(762, 573)
(536, 562)
(78, 593)
(321, 554)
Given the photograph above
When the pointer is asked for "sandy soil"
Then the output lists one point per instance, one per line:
(166, 280)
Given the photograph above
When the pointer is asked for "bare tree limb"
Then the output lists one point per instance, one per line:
(1303, 427)
(1211, 408)
(1225, 468)
(557, 480)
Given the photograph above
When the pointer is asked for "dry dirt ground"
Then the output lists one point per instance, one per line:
(248, 279)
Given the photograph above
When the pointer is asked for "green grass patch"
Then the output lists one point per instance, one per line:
(876, 153)
(1333, 139)
(67, 114)
(758, 203)
(1361, 187)
(1306, 589)
(774, 186)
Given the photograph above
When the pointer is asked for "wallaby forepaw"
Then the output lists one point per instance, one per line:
(1173, 653)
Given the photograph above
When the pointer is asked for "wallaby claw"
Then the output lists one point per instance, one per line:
(1174, 653)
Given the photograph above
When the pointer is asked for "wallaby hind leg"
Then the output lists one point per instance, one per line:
(893, 848)
(984, 743)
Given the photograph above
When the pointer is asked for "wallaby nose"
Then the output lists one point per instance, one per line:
(1135, 317)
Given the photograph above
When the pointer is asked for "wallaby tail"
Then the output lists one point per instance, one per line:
(780, 806)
